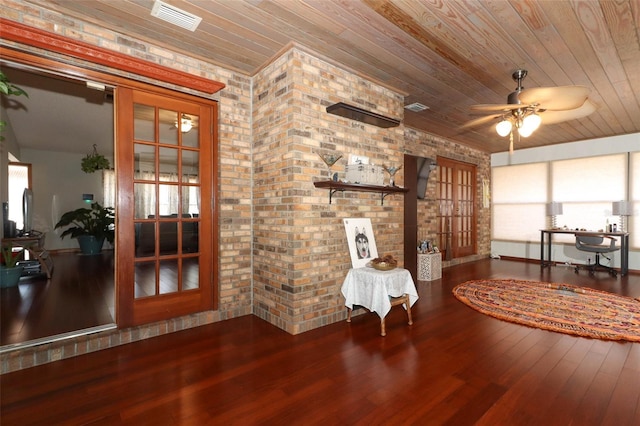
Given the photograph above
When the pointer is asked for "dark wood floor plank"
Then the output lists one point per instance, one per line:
(453, 366)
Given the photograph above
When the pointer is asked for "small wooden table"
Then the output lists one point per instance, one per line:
(34, 244)
(378, 291)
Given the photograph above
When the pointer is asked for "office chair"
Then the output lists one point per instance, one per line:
(593, 244)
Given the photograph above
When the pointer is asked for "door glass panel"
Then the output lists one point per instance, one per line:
(168, 126)
(145, 279)
(145, 239)
(145, 200)
(169, 276)
(191, 201)
(190, 161)
(143, 122)
(144, 162)
(168, 240)
(169, 201)
(190, 138)
(168, 164)
(190, 273)
(190, 237)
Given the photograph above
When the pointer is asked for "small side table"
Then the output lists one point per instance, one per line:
(429, 266)
(35, 246)
(378, 291)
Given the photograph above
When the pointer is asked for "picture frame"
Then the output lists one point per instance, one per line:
(361, 240)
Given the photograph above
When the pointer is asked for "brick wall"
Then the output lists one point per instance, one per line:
(283, 252)
(301, 254)
(426, 145)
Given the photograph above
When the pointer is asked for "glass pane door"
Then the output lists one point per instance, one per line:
(170, 172)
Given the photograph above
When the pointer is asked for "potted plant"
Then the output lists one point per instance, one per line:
(90, 226)
(10, 271)
(94, 161)
(8, 89)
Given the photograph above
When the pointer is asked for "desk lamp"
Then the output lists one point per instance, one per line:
(622, 209)
(553, 209)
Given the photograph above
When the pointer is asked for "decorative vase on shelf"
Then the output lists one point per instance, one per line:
(392, 173)
(330, 160)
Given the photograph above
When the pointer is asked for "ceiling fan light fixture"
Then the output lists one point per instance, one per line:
(503, 128)
(532, 121)
(529, 124)
(185, 124)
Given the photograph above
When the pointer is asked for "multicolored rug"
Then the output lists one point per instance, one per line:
(564, 308)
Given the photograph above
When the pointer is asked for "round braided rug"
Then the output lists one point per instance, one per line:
(564, 308)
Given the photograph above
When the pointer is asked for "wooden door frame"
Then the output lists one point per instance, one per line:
(81, 64)
(444, 161)
(170, 305)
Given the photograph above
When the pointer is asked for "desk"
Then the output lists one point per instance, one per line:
(548, 233)
(35, 246)
(374, 289)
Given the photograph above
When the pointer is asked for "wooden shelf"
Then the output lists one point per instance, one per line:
(334, 186)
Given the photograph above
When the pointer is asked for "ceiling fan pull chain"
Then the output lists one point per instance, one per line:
(511, 143)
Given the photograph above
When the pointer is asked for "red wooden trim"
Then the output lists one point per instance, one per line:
(21, 33)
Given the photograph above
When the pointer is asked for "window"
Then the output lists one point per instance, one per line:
(19, 179)
(519, 199)
(586, 187)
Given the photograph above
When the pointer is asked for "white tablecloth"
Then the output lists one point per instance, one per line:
(371, 288)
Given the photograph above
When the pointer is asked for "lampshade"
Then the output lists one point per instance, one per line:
(554, 208)
(504, 127)
(622, 208)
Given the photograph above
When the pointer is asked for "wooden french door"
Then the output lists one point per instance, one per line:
(456, 197)
(165, 239)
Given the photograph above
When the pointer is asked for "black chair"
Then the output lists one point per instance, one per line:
(594, 244)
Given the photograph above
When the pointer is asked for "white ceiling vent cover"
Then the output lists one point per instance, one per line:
(416, 107)
(175, 16)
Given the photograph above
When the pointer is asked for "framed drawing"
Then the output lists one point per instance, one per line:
(362, 244)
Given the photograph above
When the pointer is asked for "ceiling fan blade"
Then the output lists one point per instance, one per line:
(479, 121)
(495, 107)
(559, 98)
(553, 117)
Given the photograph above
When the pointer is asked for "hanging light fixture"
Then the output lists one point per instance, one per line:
(185, 124)
(525, 119)
(529, 124)
(504, 127)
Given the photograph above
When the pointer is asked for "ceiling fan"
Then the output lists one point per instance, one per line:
(526, 109)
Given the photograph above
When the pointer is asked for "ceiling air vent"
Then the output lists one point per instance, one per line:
(416, 107)
(175, 16)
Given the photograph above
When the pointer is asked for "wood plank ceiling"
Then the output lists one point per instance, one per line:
(445, 54)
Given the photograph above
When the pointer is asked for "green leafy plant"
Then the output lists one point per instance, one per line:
(8, 89)
(9, 257)
(94, 161)
(97, 221)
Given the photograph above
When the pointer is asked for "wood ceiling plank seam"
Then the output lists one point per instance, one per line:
(572, 33)
(177, 37)
(543, 67)
(619, 18)
(306, 15)
(408, 71)
(456, 29)
(454, 81)
(437, 42)
(592, 20)
(414, 51)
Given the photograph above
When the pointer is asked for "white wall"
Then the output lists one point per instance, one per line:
(58, 184)
(564, 252)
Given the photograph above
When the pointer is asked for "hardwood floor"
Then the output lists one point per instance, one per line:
(453, 366)
(79, 295)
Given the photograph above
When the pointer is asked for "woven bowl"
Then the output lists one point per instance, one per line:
(383, 266)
